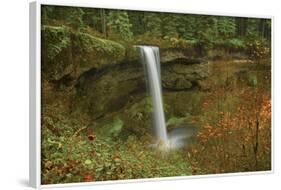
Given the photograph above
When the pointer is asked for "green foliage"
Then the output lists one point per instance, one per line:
(235, 43)
(186, 25)
(226, 26)
(77, 157)
(112, 129)
(46, 13)
(175, 121)
(252, 79)
(137, 20)
(74, 18)
(88, 162)
(119, 24)
(116, 127)
(153, 23)
(169, 25)
(55, 40)
(198, 32)
(252, 28)
(91, 18)
(141, 111)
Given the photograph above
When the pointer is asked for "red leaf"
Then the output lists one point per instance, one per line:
(92, 137)
(88, 178)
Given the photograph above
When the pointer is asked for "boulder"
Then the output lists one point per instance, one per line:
(65, 52)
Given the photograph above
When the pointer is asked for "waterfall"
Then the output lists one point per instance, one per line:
(151, 61)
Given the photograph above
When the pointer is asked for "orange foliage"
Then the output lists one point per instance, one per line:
(237, 141)
(88, 178)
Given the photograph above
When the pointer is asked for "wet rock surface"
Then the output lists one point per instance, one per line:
(110, 89)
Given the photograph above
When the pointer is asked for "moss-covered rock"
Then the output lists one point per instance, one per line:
(56, 38)
(67, 52)
(93, 52)
(56, 52)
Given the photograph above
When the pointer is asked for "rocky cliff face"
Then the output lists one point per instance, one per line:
(104, 74)
(66, 52)
(110, 89)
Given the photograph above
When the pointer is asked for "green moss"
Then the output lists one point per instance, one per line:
(55, 39)
(175, 121)
(58, 37)
(117, 127)
(89, 44)
(252, 79)
(66, 51)
(111, 129)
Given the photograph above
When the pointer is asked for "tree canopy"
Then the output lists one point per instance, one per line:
(200, 31)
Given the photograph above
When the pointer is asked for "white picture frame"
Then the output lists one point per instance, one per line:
(35, 97)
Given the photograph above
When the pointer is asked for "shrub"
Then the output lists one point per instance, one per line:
(258, 49)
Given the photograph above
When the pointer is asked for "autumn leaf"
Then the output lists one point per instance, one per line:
(91, 137)
(88, 178)
(117, 159)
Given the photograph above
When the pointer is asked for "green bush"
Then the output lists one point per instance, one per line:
(235, 43)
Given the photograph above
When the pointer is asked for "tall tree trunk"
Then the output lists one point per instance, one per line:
(103, 22)
(262, 27)
(257, 129)
(256, 145)
(241, 26)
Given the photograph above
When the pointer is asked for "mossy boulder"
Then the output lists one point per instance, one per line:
(56, 52)
(92, 52)
(68, 52)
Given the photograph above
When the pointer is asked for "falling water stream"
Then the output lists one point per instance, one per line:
(151, 61)
(176, 138)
